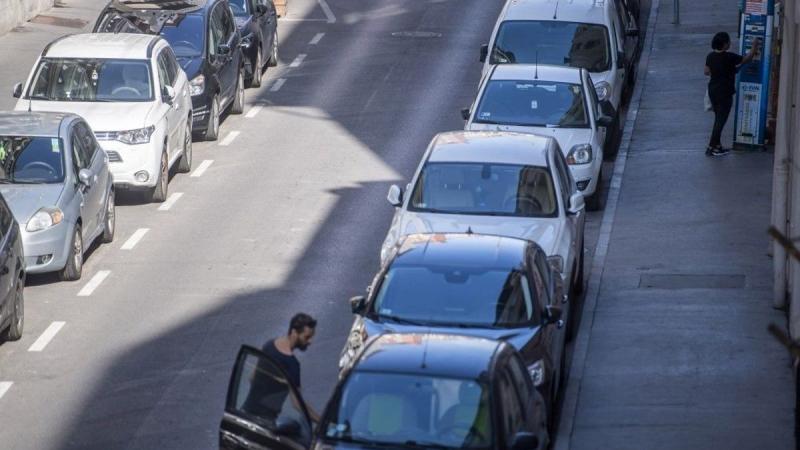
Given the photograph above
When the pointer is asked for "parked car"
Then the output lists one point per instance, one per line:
(402, 391)
(56, 180)
(469, 284)
(585, 34)
(551, 101)
(206, 42)
(132, 93)
(12, 276)
(506, 184)
(257, 22)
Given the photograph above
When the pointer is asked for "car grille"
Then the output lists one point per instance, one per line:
(113, 156)
(105, 135)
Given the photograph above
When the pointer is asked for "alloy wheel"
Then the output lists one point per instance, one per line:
(19, 305)
(77, 249)
(111, 215)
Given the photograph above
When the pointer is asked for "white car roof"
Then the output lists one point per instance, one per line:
(527, 72)
(498, 147)
(582, 11)
(103, 46)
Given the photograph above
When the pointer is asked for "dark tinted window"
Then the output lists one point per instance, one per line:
(87, 139)
(186, 35)
(533, 103)
(512, 417)
(6, 218)
(31, 159)
(241, 7)
(553, 42)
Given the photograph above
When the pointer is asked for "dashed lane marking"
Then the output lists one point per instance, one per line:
(317, 37)
(171, 200)
(135, 238)
(227, 140)
(278, 84)
(4, 387)
(46, 337)
(201, 169)
(299, 60)
(328, 11)
(253, 111)
(94, 283)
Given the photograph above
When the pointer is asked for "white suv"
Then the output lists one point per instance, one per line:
(131, 91)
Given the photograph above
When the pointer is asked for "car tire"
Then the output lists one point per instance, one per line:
(185, 163)
(110, 219)
(594, 201)
(14, 330)
(237, 107)
(158, 193)
(273, 57)
(212, 128)
(255, 79)
(74, 267)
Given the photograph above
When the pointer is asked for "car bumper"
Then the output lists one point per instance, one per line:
(125, 161)
(46, 250)
(201, 108)
(586, 177)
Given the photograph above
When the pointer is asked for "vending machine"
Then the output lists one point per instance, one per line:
(752, 85)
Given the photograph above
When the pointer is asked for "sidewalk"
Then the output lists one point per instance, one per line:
(677, 355)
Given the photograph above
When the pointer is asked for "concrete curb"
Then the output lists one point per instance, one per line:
(572, 393)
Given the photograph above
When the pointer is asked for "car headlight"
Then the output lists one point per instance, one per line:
(198, 85)
(580, 154)
(138, 136)
(354, 343)
(44, 219)
(603, 90)
(536, 371)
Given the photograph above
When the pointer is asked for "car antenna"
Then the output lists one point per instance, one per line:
(30, 103)
(469, 230)
(555, 13)
(536, 74)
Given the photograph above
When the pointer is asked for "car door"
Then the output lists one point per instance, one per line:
(218, 59)
(268, 22)
(171, 111)
(549, 295)
(263, 409)
(85, 153)
(228, 69)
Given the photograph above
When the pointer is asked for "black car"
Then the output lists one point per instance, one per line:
(206, 42)
(12, 276)
(258, 24)
(488, 286)
(401, 391)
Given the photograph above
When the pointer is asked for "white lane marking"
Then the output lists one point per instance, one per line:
(201, 169)
(134, 239)
(4, 387)
(299, 60)
(229, 138)
(278, 84)
(46, 337)
(171, 200)
(327, 10)
(317, 37)
(94, 283)
(253, 111)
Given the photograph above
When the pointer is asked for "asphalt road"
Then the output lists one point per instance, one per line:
(287, 217)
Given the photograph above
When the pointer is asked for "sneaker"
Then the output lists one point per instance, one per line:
(709, 149)
(719, 151)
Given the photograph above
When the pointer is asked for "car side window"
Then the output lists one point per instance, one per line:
(163, 73)
(5, 218)
(215, 32)
(89, 145)
(228, 25)
(546, 276)
(78, 153)
(512, 418)
(568, 186)
(173, 68)
(521, 379)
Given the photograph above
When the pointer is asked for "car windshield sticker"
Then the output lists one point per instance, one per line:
(55, 146)
(534, 104)
(2, 151)
(485, 115)
(524, 86)
(576, 90)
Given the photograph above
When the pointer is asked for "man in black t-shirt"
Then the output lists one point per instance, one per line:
(721, 66)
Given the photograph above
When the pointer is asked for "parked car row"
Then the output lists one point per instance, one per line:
(116, 110)
(460, 339)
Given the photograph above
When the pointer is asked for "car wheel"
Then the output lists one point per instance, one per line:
(255, 80)
(14, 330)
(594, 201)
(212, 131)
(237, 107)
(185, 163)
(159, 192)
(110, 219)
(273, 57)
(74, 267)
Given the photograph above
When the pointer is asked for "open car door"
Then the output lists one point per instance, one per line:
(263, 410)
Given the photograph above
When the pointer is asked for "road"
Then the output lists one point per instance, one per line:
(287, 215)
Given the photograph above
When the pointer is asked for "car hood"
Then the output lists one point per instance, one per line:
(543, 231)
(25, 199)
(518, 337)
(117, 116)
(190, 65)
(566, 137)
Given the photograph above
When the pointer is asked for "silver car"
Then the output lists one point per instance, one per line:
(55, 178)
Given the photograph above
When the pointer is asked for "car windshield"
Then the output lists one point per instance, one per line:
(411, 410)
(186, 35)
(27, 159)
(240, 7)
(485, 189)
(572, 44)
(533, 103)
(456, 296)
(92, 80)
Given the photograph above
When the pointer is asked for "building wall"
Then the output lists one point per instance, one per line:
(15, 12)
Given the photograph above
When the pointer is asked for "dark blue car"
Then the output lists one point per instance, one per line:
(257, 21)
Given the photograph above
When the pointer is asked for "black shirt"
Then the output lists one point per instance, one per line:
(267, 394)
(724, 66)
(290, 364)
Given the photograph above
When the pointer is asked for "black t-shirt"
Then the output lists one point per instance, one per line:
(267, 395)
(724, 66)
(290, 364)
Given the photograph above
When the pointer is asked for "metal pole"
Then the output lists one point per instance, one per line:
(676, 12)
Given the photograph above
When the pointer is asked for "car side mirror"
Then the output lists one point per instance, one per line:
(620, 60)
(395, 196)
(632, 32)
(577, 203)
(85, 177)
(287, 427)
(524, 441)
(261, 9)
(554, 315)
(606, 114)
(17, 90)
(168, 94)
(223, 49)
(465, 113)
(605, 121)
(358, 304)
(484, 52)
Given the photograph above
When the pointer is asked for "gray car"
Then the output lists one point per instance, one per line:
(55, 178)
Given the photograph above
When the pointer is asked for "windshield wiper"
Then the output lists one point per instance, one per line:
(352, 440)
(424, 444)
(402, 320)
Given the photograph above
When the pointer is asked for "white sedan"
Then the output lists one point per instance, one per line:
(498, 183)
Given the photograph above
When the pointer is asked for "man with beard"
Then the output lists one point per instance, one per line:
(268, 393)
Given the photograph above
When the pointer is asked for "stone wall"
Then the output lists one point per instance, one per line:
(15, 12)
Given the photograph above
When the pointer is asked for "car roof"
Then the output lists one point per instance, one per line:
(23, 123)
(498, 147)
(430, 354)
(541, 72)
(461, 250)
(103, 46)
(582, 11)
